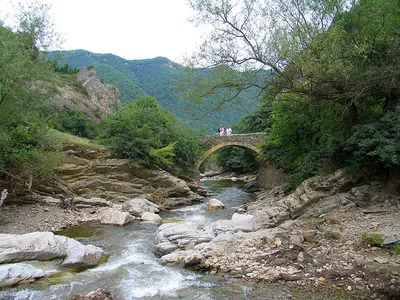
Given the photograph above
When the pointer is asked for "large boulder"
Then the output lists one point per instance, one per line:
(151, 217)
(139, 205)
(172, 236)
(12, 274)
(47, 246)
(113, 216)
(214, 204)
(238, 222)
(188, 258)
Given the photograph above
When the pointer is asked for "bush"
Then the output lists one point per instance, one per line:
(377, 144)
(28, 152)
(305, 135)
(75, 122)
(146, 133)
(236, 159)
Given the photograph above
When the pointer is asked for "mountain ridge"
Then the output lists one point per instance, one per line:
(157, 77)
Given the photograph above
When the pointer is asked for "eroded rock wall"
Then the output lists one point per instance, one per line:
(91, 174)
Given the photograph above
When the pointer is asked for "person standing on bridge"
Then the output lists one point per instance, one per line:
(221, 130)
(228, 130)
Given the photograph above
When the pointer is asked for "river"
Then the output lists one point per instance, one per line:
(133, 271)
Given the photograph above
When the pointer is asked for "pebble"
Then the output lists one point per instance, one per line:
(349, 288)
(381, 260)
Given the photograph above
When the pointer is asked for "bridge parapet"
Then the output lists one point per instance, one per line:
(248, 138)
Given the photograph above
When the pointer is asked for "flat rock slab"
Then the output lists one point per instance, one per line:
(47, 246)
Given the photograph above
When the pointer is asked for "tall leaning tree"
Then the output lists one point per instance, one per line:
(257, 37)
(335, 50)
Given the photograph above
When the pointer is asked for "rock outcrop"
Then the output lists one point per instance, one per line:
(171, 237)
(90, 178)
(273, 207)
(90, 95)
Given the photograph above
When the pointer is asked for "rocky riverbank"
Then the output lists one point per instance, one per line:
(327, 234)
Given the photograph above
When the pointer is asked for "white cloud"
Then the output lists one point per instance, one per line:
(134, 29)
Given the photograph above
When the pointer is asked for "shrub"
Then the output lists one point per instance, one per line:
(376, 144)
(75, 122)
(146, 133)
(305, 135)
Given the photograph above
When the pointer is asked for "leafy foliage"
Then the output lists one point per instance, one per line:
(376, 144)
(28, 151)
(236, 159)
(75, 122)
(148, 134)
(64, 69)
(336, 73)
(304, 135)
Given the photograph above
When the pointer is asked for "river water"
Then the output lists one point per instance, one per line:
(133, 271)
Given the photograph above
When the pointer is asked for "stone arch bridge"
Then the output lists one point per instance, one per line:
(268, 176)
(248, 142)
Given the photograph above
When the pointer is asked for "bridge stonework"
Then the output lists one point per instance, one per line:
(246, 141)
(268, 176)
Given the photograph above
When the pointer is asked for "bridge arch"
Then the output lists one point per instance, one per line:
(268, 176)
(214, 142)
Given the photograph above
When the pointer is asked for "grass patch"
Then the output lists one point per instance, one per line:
(395, 248)
(377, 239)
(70, 139)
(373, 239)
(3, 222)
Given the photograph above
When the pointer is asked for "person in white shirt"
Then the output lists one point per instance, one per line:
(221, 131)
(228, 130)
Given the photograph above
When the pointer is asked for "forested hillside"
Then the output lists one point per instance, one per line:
(159, 77)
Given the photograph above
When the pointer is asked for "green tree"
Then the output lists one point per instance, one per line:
(260, 35)
(236, 159)
(335, 66)
(27, 147)
(376, 145)
(146, 133)
(305, 135)
(73, 121)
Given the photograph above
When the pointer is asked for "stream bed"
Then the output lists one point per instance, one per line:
(133, 271)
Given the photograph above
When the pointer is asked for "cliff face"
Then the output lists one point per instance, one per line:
(104, 96)
(89, 95)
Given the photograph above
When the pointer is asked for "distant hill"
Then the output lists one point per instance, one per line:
(156, 77)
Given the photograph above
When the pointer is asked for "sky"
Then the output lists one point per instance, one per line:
(131, 29)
